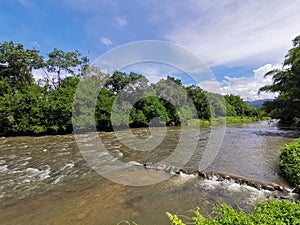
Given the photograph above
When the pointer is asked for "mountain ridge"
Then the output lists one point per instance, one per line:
(258, 103)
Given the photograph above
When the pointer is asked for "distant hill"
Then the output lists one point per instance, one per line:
(258, 103)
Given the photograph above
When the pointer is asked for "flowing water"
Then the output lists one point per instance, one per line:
(46, 180)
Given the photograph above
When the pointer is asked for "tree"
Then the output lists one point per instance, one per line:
(17, 63)
(235, 106)
(200, 100)
(59, 113)
(103, 109)
(286, 83)
(24, 111)
(173, 96)
(120, 81)
(146, 109)
(68, 62)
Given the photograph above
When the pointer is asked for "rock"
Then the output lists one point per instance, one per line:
(191, 171)
(227, 177)
(169, 169)
(220, 178)
(268, 187)
(210, 176)
(289, 190)
(239, 181)
(277, 187)
(160, 167)
(182, 170)
(290, 197)
(149, 165)
(202, 174)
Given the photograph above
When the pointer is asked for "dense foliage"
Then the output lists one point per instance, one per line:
(286, 83)
(289, 162)
(269, 212)
(45, 105)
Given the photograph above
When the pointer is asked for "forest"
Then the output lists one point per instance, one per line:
(32, 105)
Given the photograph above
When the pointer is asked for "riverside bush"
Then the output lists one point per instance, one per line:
(289, 162)
(234, 120)
(269, 212)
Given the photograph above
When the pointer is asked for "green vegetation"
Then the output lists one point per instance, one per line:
(289, 162)
(29, 106)
(234, 120)
(45, 105)
(269, 212)
(286, 83)
(241, 119)
(237, 112)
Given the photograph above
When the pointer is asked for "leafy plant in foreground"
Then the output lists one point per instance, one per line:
(268, 212)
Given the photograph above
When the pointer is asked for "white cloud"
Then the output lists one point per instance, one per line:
(211, 86)
(106, 41)
(41, 74)
(121, 21)
(234, 32)
(246, 87)
(220, 32)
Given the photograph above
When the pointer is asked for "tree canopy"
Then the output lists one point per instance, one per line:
(286, 82)
(17, 63)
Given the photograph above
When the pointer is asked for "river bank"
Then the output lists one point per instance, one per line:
(228, 120)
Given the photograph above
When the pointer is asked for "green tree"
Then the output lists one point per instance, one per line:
(286, 83)
(103, 109)
(120, 81)
(173, 96)
(17, 63)
(23, 112)
(235, 106)
(117, 82)
(6, 91)
(69, 62)
(28, 108)
(198, 97)
(85, 102)
(146, 109)
(217, 104)
(59, 111)
(128, 90)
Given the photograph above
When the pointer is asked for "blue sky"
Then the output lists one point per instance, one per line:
(238, 40)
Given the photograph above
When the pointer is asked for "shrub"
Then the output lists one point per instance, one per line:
(289, 162)
(269, 212)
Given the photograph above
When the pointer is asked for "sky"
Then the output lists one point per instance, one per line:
(239, 41)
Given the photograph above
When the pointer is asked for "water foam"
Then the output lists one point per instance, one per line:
(3, 168)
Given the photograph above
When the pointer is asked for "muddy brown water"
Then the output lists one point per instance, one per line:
(45, 180)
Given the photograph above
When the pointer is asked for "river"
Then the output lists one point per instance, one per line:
(45, 180)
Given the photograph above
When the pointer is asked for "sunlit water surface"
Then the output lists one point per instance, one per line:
(45, 180)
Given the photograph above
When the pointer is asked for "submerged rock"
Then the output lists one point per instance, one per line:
(220, 177)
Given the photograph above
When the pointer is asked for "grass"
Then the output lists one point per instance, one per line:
(229, 120)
